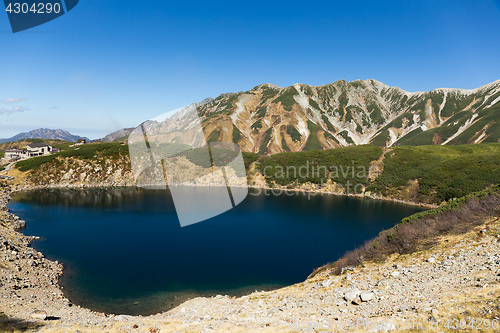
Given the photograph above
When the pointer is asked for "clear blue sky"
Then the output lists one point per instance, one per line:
(115, 63)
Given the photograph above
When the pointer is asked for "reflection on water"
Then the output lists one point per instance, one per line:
(90, 197)
(125, 252)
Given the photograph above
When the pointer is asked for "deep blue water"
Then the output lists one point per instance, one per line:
(125, 252)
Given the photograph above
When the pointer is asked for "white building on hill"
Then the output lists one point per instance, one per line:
(37, 149)
(15, 153)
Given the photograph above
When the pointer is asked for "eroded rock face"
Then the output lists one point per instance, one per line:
(99, 172)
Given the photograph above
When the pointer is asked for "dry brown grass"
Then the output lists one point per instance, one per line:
(418, 235)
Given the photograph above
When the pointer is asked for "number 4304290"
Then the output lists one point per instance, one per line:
(36, 8)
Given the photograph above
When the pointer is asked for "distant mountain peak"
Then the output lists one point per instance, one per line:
(116, 135)
(45, 133)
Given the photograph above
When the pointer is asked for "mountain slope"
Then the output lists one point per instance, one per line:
(116, 135)
(45, 133)
(269, 119)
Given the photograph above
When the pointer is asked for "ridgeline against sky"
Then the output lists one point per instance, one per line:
(111, 65)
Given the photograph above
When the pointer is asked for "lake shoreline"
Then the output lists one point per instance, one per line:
(274, 190)
(33, 295)
(40, 208)
(58, 270)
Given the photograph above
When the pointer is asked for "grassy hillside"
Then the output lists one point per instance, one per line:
(87, 151)
(442, 172)
(317, 166)
(429, 174)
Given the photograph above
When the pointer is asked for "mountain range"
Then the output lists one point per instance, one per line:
(45, 133)
(269, 119)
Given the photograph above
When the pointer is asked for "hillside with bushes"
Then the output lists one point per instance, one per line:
(425, 174)
(422, 174)
(95, 164)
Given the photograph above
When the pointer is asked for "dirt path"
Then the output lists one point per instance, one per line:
(8, 167)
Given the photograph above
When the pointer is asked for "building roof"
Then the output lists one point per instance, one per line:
(38, 145)
(14, 150)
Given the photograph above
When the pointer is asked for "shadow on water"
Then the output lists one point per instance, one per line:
(125, 252)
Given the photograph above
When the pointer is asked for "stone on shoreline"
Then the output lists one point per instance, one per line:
(18, 224)
(327, 283)
(123, 318)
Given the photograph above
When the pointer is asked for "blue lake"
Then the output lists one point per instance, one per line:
(124, 250)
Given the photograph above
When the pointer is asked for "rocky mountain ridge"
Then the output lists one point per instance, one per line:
(269, 119)
(45, 133)
(117, 135)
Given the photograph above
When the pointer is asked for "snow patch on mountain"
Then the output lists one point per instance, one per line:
(302, 126)
(301, 99)
(240, 107)
(442, 107)
(462, 128)
(480, 138)
(495, 101)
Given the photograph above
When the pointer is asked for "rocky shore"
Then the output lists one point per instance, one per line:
(76, 173)
(458, 278)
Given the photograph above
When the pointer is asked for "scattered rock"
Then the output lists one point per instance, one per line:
(41, 315)
(351, 295)
(367, 296)
(122, 318)
(18, 224)
(327, 283)
(432, 319)
(357, 301)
